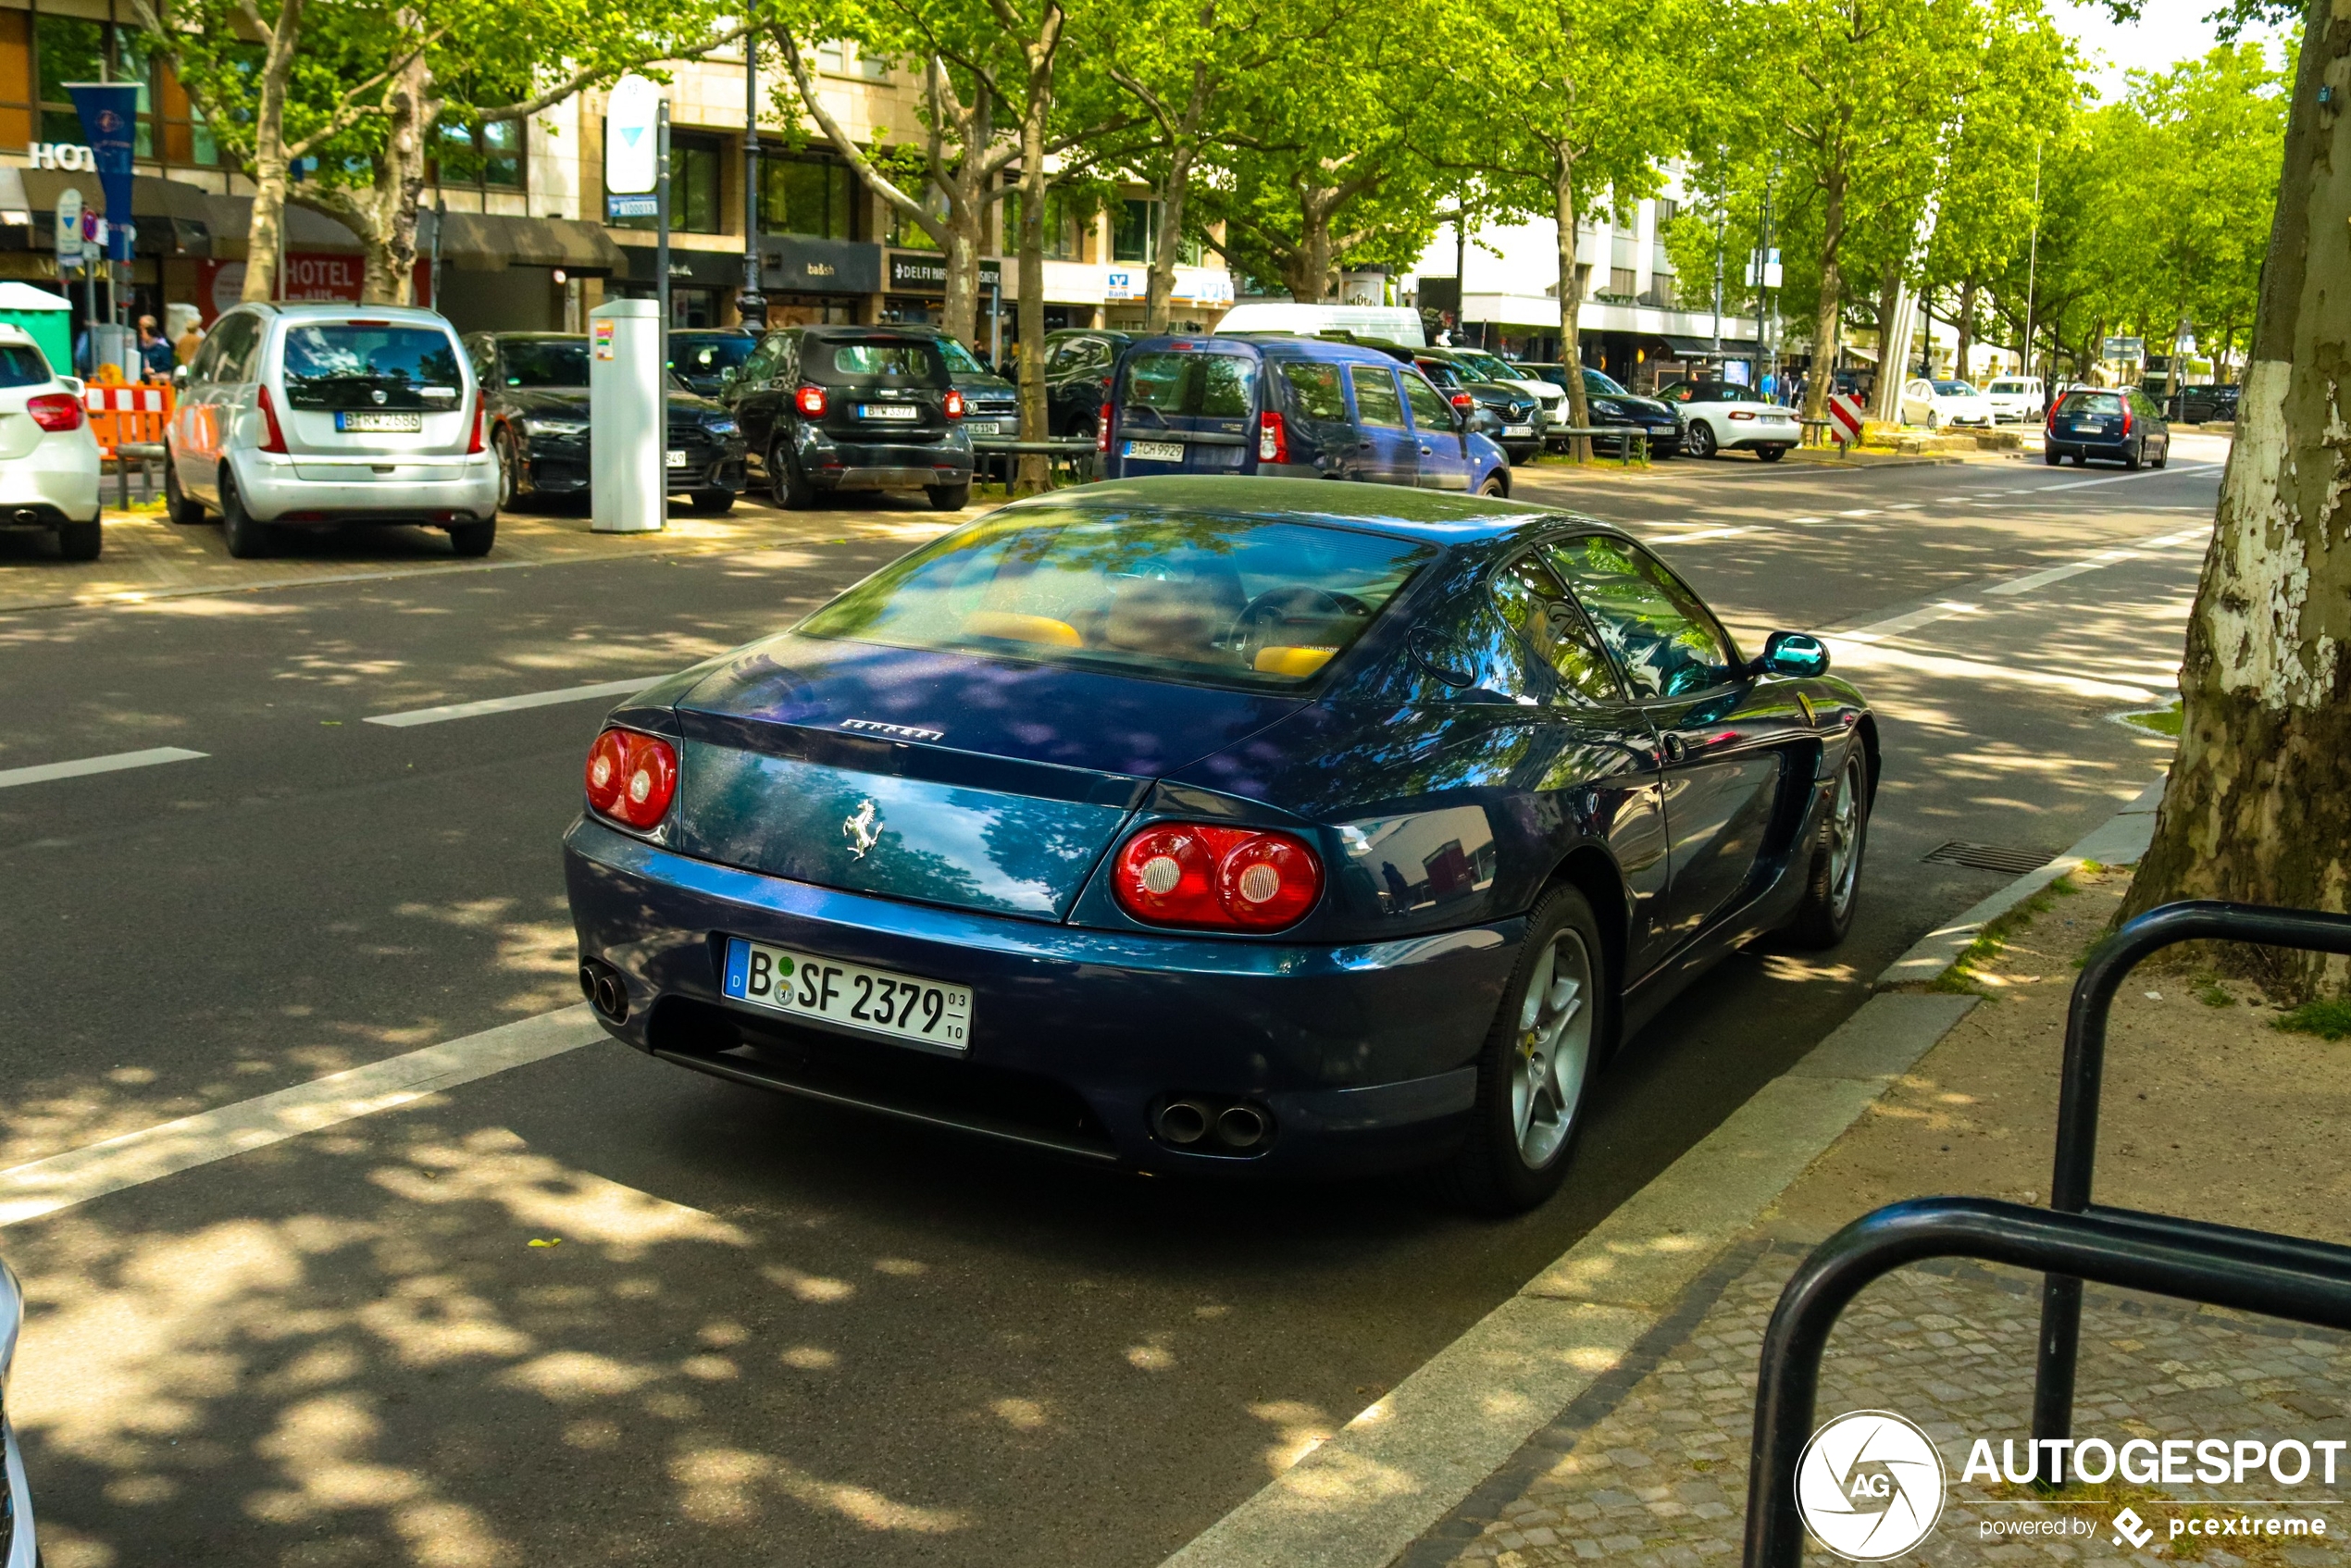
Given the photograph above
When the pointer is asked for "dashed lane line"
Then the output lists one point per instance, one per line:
(509, 704)
(76, 1176)
(1945, 609)
(47, 771)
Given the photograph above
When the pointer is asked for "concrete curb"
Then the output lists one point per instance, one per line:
(1361, 1498)
(2120, 840)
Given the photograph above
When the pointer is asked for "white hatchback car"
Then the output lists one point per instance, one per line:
(309, 415)
(1937, 403)
(2017, 397)
(48, 456)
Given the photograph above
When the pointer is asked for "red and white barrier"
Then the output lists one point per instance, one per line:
(1845, 418)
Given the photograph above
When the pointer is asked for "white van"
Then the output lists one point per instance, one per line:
(1395, 323)
(2016, 398)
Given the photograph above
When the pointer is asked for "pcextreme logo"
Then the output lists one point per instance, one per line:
(1870, 1485)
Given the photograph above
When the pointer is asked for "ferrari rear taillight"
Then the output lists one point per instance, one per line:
(1216, 879)
(273, 437)
(1273, 439)
(809, 400)
(631, 778)
(54, 411)
(954, 403)
(1102, 430)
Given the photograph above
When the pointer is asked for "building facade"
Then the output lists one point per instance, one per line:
(515, 237)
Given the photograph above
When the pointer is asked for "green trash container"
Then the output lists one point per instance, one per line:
(46, 316)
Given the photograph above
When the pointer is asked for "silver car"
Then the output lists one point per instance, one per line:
(296, 415)
(18, 1548)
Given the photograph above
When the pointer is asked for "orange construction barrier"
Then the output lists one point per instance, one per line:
(125, 415)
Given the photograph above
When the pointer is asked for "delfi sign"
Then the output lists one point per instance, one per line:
(633, 153)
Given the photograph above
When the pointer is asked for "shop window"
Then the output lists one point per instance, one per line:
(694, 208)
(16, 79)
(486, 157)
(77, 49)
(806, 195)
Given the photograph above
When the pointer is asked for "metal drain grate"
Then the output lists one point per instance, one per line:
(1988, 857)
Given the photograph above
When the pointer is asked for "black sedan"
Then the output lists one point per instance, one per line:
(1078, 364)
(2121, 425)
(1610, 405)
(1224, 825)
(534, 389)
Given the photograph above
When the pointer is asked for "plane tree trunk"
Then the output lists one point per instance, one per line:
(2257, 807)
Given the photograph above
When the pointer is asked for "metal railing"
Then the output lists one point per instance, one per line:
(2071, 1241)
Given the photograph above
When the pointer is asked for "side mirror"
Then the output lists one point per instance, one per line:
(1798, 653)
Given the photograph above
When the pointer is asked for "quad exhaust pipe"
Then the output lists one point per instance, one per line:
(1207, 1126)
(602, 984)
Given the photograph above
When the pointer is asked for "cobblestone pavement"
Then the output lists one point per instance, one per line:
(1651, 1473)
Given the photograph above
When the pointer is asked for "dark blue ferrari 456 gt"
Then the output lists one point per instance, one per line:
(1220, 824)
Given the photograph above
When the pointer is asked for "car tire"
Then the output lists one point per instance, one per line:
(247, 538)
(1770, 454)
(1833, 882)
(1535, 1071)
(502, 447)
(1698, 440)
(2135, 458)
(473, 538)
(80, 542)
(949, 497)
(2052, 456)
(2163, 457)
(1495, 486)
(786, 485)
(715, 502)
(178, 504)
(1933, 421)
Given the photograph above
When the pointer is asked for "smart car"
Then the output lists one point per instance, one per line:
(1219, 826)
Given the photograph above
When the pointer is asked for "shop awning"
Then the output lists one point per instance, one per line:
(170, 216)
(483, 242)
(1702, 348)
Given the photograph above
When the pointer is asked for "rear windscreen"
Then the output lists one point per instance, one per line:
(1171, 383)
(707, 356)
(22, 365)
(1168, 595)
(556, 362)
(2091, 403)
(361, 365)
(882, 362)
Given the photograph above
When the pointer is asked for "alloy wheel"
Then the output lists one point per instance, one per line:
(1845, 840)
(1553, 1053)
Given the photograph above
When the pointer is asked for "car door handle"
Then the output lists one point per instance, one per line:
(1674, 750)
(1428, 451)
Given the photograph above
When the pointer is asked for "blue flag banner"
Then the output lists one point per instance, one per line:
(109, 112)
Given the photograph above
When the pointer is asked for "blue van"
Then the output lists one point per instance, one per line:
(1295, 407)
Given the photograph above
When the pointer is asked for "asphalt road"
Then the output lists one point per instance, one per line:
(769, 1333)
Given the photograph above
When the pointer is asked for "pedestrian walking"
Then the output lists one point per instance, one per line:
(190, 340)
(155, 358)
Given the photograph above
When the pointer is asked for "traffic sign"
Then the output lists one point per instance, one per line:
(2125, 348)
(1845, 418)
(632, 152)
(69, 228)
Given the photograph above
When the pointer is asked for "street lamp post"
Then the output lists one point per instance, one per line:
(751, 305)
(2033, 269)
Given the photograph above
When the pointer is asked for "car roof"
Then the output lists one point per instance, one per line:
(1272, 346)
(1432, 516)
(540, 337)
(344, 310)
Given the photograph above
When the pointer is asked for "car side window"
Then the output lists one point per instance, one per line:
(1376, 404)
(1538, 607)
(483, 352)
(234, 340)
(1314, 390)
(207, 355)
(1430, 411)
(1665, 640)
(761, 367)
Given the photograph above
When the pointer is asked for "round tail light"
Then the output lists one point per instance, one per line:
(1216, 879)
(631, 778)
(811, 401)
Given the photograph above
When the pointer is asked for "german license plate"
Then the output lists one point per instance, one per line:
(1665, 430)
(983, 427)
(1518, 430)
(886, 411)
(674, 458)
(371, 419)
(881, 1001)
(1156, 451)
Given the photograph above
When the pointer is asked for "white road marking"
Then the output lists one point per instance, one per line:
(46, 771)
(2032, 580)
(1859, 512)
(1894, 626)
(2120, 479)
(509, 704)
(1705, 533)
(135, 1158)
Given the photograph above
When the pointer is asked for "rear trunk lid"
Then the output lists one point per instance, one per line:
(1185, 408)
(365, 393)
(939, 777)
(887, 387)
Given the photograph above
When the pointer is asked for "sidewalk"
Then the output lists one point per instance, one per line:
(1604, 1412)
